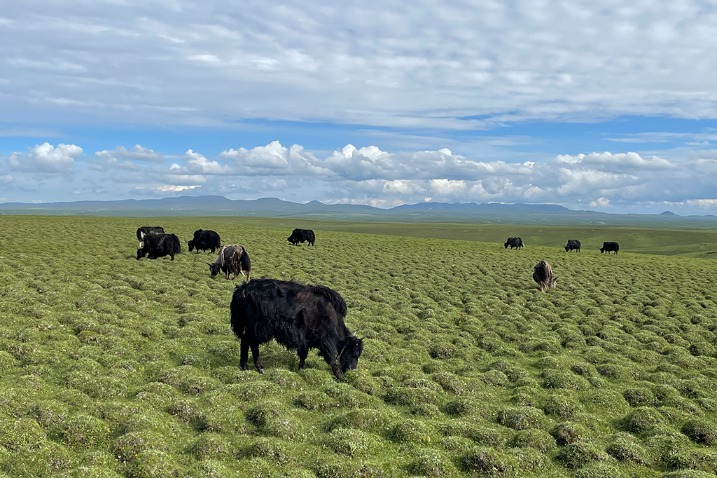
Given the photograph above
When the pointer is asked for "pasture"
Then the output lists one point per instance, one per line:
(114, 367)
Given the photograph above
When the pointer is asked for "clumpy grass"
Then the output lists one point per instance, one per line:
(567, 433)
(693, 459)
(129, 446)
(533, 438)
(374, 420)
(212, 446)
(701, 431)
(488, 462)
(492, 462)
(625, 448)
(477, 431)
(353, 443)
(639, 397)
(126, 368)
(521, 418)
(85, 431)
(412, 431)
(564, 379)
(578, 455)
(642, 419)
(688, 474)
(431, 463)
(153, 463)
(351, 469)
(561, 406)
(272, 418)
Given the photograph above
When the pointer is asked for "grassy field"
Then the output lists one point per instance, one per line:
(113, 367)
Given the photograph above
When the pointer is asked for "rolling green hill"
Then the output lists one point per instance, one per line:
(114, 367)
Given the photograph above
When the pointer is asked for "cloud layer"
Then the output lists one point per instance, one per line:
(458, 65)
(369, 175)
(604, 104)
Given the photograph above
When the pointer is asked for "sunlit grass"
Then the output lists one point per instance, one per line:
(118, 367)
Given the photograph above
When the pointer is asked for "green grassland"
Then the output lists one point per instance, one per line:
(113, 367)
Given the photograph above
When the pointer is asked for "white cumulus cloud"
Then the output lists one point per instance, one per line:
(197, 163)
(46, 158)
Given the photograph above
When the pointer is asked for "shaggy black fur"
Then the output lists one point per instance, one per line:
(205, 240)
(159, 245)
(298, 316)
(302, 235)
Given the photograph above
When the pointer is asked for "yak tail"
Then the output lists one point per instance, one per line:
(176, 244)
(245, 264)
(238, 308)
(338, 302)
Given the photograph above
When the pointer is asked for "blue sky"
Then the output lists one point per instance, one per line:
(592, 105)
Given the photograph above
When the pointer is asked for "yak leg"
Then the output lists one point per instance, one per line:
(244, 354)
(255, 355)
(303, 352)
(331, 356)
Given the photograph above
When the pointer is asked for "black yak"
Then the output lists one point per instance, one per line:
(144, 230)
(297, 316)
(514, 243)
(159, 245)
(302, 235)
(572, 245)
(232, 259)
(610, 247)
(205, 240)
(543, 275)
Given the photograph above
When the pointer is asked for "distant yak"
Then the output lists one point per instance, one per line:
(159, 245)
(302, 235)
(144, 230)
(572, 245)
(543, 275)
(610, 247)
(232, 259)
(205, 240)
(514, 243)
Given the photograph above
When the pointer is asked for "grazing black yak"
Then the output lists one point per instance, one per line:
(302, 235)
(232, 259)
(514, 243)
(299, 317)
(144, 230)
(610, 247)
(159, 245)
(543, 275)
(205, 240)
(572, 245)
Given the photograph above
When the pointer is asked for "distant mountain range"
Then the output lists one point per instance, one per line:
(421, 212)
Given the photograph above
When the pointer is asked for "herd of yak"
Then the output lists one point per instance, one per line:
(543, 272)
(298, 316)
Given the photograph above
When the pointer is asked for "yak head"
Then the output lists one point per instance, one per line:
(214, 268)
(350, 353)
(191, 245)
(141, 253)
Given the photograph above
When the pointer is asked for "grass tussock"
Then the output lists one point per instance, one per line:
(113, 367)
